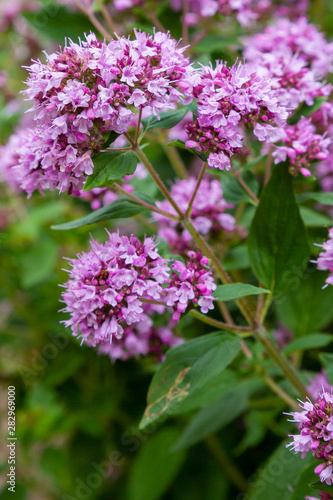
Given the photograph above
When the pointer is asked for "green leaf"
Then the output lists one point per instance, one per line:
(318, 485)
(280, 476)
(306, 308)
(57, 23)
(155, 466)
(303, 488)
(313, 341)
(186, 369)
(278, 239)
(167, 119)
(233, 191)
(119, 209)
(216, 43)
(219, 414)
(110, 139)
(110, 167)
(314, 219)
(306, 110)
(38, 263)
(323, 198)
(181, 144)
(236, 291)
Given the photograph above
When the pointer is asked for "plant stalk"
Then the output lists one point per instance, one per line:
(201, 176)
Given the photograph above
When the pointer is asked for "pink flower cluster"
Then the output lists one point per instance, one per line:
(229, 98)
(26, 151)
(302, 147)
(325, 259)
(299, 38)
(191, 283)
(316, 425)
(297, 83)
(142, 338)
(208, 213)
(89, 89)
(109, 286)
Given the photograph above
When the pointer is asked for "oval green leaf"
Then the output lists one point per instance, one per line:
(236, 291)
(110, 167)
(278, 240)
(119, 209)
(186, 369)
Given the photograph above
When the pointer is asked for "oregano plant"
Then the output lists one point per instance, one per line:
(191, 144)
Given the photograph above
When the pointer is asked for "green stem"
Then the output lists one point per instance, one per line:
(228, 467)
(93, 19)
(107, 16)
(288, 369)
(264, 311)
(158, 181)
(201, 176)
(218, 324)
(246, 187)
(137, 131)
(143, 203)
(280, 392)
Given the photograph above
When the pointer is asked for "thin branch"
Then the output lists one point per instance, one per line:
(218, 324)
(158, 181)
(144, 203)
(201, 176)
(287, 369)
(107, 16)
(228, 466)
(260, 305)
(225, 312)
(89, 13)
(115, 150)
(246, 187)
(137, 131)
(246, 350)
(155, 21)
(280, 392)
(267, 303)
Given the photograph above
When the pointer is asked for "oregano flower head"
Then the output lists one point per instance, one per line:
(315, 423)
(302, 147)
(87, 90)
(230, 98)
(107, 285)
